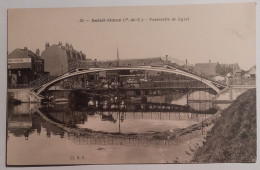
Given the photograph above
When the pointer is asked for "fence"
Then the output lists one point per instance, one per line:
(241, 81)
(41, 80)
(18, 86)
(169, 84)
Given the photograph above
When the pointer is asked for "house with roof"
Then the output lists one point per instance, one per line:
(233, 69)
(24, 66)
(237, 73)
(207, 69)
(251, 73)
(60, 58)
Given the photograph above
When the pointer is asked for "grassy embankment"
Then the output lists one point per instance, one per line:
(233, 136)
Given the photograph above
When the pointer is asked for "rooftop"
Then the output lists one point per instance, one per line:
(24, 53)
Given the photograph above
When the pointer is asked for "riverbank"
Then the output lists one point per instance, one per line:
(233, 136)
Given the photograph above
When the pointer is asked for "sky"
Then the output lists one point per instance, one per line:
(224, 33)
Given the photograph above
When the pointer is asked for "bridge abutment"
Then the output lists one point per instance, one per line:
(24, 95)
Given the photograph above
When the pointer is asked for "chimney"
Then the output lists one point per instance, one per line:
(60, 44)
(186, 62)
(81, 55)
(38, 52)
(67, 46)
(47, 45)
(209, 61)
(117, 54)
(166, 58)
(71, 47)
(26, 51)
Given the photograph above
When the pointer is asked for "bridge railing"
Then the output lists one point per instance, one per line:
(241, 81)
(169, 84)
(143, 85)
(201, 76)
(179, 64)
(44, 79)
(40, 81)
(18, 86)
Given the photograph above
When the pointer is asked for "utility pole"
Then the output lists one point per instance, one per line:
(117, 56)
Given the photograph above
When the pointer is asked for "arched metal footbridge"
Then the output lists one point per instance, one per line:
(167, 69)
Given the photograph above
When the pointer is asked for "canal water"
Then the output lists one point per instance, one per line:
(51, 133)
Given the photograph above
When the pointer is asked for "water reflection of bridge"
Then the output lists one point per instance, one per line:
(128, 141)
(80, 117)
(158, 115)
(28, 124)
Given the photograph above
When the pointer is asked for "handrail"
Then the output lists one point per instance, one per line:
(18, 86)
(241, 81)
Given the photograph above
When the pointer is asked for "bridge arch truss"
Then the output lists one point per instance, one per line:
(167, 69)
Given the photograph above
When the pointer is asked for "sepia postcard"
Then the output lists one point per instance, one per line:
(131, 85)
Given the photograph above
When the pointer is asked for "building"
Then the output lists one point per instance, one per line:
(213, 69)
(251, 73)
(237, 73)
(24, 66)
(208, 69)
(60, 59)
(229, 68)
(143, 62)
